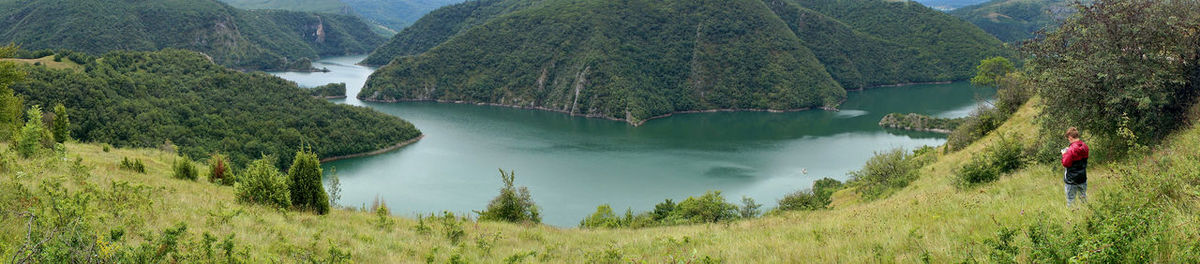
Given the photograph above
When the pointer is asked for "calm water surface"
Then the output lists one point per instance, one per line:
(573, 164)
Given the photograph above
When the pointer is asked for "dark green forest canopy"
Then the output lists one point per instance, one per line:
(261, 39)
(142, 99)
(1015, 20)
(628, 60)
(636, 59)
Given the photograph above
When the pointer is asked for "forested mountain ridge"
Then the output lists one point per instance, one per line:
(145, 99)
(630, 61)
(263, 39)
(392, 14)
(1015, 20)
(634, 60)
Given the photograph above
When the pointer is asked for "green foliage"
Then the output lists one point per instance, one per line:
(138, 99)
(262, 183)
(990, 71)
(134, 165)
(886, 173)
(750, 208)
(10, 104)
(663, 210)
(1118, 58)
(512, 205)
(184, 168)
(604, 217)
(628, 61)
(33, 137)
(708, 208)
(62, 124)
(919, 122)
(333, 90)
(307, 191)
(1015, 20)
(259, 39)
(219, 170)
(1002, 156)
(335, 188)
(816, 198)
(383, 216)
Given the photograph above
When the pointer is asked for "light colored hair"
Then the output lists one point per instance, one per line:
(1072, 132)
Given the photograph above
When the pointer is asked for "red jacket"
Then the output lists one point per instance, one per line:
(1077, 151)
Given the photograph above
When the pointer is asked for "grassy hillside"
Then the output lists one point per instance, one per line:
(144, 99)
(932, 220)
(268, 39)
(1015, 20)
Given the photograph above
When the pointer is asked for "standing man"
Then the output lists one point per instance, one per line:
(1074, 158)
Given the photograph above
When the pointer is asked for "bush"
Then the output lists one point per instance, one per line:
(604, 217)
(512, 205)
(749, 208)
(62, 124)
(886, 172)
(818, 197)
(219, 170)
(663, 210)
(185, 169)
(261, 183)
(133, 165)
(708, 208)
(1002, 156)
(306, 189)
(33, 137)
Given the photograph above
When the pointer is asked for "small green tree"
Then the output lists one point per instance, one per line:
(512, 205)
(604, 217)
(33, 136)
(750, 208)
(306, 188)
(991, 70)
(262, 183)
(185, 169)
(219, 170)
(62, 124)
(708, 208)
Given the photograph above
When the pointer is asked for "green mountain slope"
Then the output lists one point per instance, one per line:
(268, 39)
(628, 61)
(143, 99)
(395, 14)
(636, 60)
(1015, 20)
(319, 6)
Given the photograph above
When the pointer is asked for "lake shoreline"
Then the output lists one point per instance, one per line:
(624, 120)
(375, 152)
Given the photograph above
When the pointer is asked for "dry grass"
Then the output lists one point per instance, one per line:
(931, 220)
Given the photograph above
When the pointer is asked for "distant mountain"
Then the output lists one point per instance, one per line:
(392, 14)
(634, 60)
(947, 5)
(265, 39)
(1015, 20)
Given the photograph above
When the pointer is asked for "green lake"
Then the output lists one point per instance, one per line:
(573, 164)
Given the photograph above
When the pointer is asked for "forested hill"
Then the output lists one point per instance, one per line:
(632, 60)
(262, 39)
(1015, 20)
(145, 99)
(393, 14)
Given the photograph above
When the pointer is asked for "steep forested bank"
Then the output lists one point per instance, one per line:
(145, 99)
(262, 39)
(636, 60)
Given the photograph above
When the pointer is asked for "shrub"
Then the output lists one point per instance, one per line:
(305, 185)
(604, 217)
(663, 210)
(1002, 156)
(886, 172)
(33, 137)
(62, 124)
(383, 216)
(708, 208)
(261, 183)
(219, 170)
(133, 165)
(185, 169)
(818, 197)
(512, 205)
(750, 208)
